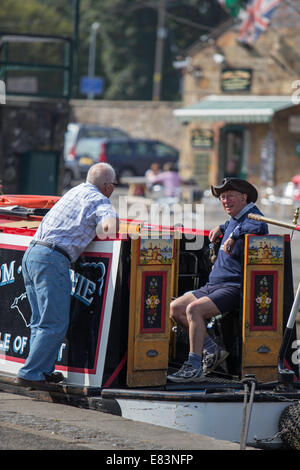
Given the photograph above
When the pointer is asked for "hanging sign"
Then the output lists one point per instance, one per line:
(236, 80)
(202, 138)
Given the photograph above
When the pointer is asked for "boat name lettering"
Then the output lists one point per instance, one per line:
(7, 273)
(18, 343)
(83, 288)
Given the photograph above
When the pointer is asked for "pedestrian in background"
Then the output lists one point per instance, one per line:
(170, 180)
(150, 174)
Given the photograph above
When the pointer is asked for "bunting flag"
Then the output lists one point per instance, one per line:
(257, 19)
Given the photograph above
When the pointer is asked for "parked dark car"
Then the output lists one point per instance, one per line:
(129, 157)
(82, 135)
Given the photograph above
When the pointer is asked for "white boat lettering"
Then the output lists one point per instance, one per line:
(18, 343)
(7, 273)
(4, 343)
(83, 288)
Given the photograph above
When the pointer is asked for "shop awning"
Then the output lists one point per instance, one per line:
(234, 109)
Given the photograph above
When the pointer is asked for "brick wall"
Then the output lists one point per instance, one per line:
(273, 70)
(29, 125)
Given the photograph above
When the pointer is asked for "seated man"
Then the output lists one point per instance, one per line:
(222, 292)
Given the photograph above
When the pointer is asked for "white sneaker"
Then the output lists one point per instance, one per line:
(187, 373)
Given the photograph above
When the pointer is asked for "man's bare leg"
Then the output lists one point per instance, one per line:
(192, 312)
(188, 303)
(178, 309)
(197, 313)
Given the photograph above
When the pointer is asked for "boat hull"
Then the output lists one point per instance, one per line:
(219, 416)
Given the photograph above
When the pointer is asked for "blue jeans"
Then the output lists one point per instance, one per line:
(48, 287)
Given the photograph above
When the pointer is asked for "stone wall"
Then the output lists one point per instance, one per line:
(274, 60)
(146, 119)
(287, 163)
(35, 125)
(141, 119)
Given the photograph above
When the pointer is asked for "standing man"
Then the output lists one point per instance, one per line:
(73, 222)
(223, 290)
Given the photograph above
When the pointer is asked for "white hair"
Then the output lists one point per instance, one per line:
(100, 173)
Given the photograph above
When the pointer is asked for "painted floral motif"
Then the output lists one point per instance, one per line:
(263, 301)
(152, 301)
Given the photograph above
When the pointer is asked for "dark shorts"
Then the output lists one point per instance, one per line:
(225, 296)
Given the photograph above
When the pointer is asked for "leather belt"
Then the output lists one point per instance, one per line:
(53, 247)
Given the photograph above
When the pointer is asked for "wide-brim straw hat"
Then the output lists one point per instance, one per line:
(236, 184)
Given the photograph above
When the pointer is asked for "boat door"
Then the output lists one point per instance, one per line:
(152, 284)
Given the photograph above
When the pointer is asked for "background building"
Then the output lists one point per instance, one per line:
(240, 109)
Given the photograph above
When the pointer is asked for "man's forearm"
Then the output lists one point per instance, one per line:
(108, 227)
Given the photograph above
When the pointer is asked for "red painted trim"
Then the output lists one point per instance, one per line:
(116, 371)
(13, 247)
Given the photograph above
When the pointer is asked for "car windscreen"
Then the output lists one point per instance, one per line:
(101, 132)
(92, 132)
(115, 133)
(163, 150)
(119, 148)
(88, 148)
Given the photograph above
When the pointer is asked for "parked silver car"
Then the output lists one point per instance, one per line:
(78, 137)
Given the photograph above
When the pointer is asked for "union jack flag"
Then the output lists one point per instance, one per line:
(257, 20)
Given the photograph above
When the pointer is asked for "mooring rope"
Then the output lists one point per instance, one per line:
(247, 409)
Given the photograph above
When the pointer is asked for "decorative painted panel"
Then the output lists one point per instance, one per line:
(265, 250)
(155, 251)
(263, 295)
(153, 302)
(263, 313)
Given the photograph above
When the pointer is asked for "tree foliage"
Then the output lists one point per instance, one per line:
(126, 39)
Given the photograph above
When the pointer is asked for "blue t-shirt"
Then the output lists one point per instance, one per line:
(227, 268)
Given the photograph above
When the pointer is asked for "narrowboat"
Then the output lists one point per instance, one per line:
(121, 344)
